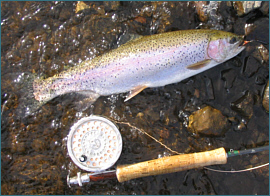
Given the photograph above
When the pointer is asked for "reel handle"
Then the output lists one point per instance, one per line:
(171, 164)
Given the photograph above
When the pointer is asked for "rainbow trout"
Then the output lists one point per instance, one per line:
(148, 61)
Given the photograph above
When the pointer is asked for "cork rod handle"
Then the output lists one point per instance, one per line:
(171, 164)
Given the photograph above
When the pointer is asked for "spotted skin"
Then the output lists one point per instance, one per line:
(149, 61)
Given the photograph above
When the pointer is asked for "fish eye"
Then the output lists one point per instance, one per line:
(233, 40)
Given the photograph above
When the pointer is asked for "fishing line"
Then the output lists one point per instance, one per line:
(237, 171)
(261, 42)
(144, 132)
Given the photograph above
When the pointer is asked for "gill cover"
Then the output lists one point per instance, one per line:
(225, 46)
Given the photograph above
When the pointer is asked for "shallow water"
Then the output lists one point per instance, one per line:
(48, 37)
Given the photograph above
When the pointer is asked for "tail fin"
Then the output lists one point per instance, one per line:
(27, 102)
(34, 92)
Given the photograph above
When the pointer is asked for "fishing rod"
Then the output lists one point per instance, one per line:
(95, 144)
(163, 165)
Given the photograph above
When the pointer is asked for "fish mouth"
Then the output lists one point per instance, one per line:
(242, 42)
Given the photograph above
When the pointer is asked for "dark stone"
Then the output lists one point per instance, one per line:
(228, 76)
(251, 66)
(259, 30)
(244, 105)
(209, 88)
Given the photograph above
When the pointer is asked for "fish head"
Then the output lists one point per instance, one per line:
(224, 46)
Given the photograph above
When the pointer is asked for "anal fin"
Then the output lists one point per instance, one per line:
(135, 91)
(199, 64)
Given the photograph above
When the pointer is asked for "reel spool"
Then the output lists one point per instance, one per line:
(94, 143)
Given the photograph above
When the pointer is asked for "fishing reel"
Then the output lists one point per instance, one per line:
(94, 145)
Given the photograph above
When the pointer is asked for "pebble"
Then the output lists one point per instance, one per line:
(208, 121)
(254, 159)
(244, 7)
(81, 6)
(265, 101)
(261, 54)
(200, 8)
(264, 54)
(262, 139)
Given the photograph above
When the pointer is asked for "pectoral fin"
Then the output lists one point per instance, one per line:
(135, 91)
(199, 65)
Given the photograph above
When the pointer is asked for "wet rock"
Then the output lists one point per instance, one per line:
(263, 171)
(153, 115)
(264, 53)
(265, 8)
(265, 101)
(263, 157)
(81, 6)
(261, 54)
(244, 7)
(251, 144)
(39, 145)
(37, 171)
(209, 88)
(210, 15)
(164, 133)
(259, 80)
(262, 76)
(254, 159)
(197, 144)
(262, 138)
(66, 12)
(258, 30)
(111, 5)
(251, 66)
(161, 16)
(228, 76)
(244, 105)
(137, 147)
(18, 147)
(201, 10)
(208, 121)
(241, 126)
(140, 115)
